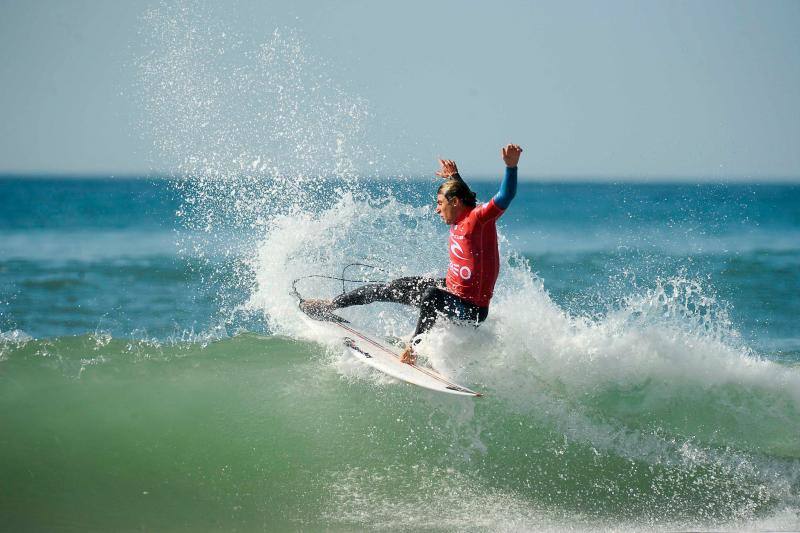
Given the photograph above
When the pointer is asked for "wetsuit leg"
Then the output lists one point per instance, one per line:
(408, 291)
(437, 300)
(428, 294)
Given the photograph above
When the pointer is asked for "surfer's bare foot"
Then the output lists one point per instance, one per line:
(316, 308)
(408, 357)
(317, 304)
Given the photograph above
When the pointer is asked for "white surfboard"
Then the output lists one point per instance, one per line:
(386, 358)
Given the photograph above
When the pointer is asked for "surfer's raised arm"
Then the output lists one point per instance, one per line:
(508, 187)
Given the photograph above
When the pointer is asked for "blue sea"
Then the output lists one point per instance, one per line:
(640, 363)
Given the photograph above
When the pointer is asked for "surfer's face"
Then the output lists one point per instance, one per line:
(447, 209)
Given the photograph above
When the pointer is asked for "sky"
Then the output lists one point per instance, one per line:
(645, 90)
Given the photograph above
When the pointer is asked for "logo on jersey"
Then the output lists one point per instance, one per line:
(457, 251)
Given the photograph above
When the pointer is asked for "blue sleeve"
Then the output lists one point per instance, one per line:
(508, 189)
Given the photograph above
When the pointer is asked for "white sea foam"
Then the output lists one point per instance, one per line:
(673, 332)
(446, 499)
(385, 234)
(12, 340)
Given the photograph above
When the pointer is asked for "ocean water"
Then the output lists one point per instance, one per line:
(640, 363)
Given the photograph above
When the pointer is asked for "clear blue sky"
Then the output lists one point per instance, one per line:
(634, 89)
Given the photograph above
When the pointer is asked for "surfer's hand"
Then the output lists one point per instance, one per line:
(511, 153)
(448, 169)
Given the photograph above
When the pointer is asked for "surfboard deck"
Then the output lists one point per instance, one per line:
(386, 358)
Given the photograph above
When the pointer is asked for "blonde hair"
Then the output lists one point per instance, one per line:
(455, 187)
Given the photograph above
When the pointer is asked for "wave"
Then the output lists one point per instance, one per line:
(546, 454)
(663, 382)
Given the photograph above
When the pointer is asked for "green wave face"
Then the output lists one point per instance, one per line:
(258, 432)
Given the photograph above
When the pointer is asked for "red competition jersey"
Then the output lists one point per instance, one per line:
(474, 257)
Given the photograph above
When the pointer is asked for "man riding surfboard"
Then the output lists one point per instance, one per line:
(466, 290)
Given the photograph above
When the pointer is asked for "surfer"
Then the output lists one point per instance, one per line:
(465, 292)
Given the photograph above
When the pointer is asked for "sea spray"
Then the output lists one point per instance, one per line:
(255, 131)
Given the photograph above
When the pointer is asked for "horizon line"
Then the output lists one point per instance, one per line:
(540, 178)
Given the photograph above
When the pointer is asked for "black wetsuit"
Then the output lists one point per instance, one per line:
(426, 293)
